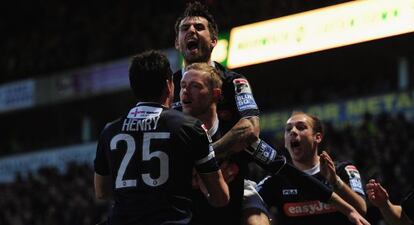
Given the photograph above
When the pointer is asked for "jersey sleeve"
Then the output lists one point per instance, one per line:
(246, 105)
(203, 152)
(101, 164)
(408, 205)
(350, 174)
(268, 189)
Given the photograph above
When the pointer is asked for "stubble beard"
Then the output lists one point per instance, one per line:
(204, 54)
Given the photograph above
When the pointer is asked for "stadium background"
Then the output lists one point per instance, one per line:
(63, 76)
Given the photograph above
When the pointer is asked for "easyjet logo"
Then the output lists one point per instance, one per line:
(307, 208)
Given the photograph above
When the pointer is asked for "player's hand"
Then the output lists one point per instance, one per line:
(377, 195)
(356, 218)
(327, 167)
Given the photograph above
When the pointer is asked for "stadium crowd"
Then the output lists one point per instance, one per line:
(48, 37)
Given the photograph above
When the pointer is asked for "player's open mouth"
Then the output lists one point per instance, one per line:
(294, 143)
(185, 102)
(192, 45)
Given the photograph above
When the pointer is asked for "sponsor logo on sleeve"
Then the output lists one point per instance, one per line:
(241, 86)
(244, 96)
(294, 209)
(354, 178)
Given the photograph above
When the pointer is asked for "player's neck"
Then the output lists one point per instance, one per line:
(209, 62)
(306, 164)
(209, 118)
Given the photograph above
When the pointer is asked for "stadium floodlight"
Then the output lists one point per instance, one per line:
(320, 29)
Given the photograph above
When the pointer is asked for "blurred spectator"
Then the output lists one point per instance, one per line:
(48, 36)
(47, 197)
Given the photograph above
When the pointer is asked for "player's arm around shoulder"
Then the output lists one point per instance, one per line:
(245, 132)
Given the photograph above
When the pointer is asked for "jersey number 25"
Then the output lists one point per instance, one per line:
(147, 155)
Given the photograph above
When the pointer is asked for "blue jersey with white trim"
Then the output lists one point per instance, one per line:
(150, 154)
(296, 206)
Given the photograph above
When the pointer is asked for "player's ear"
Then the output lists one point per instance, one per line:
(213, 42)
(170, 86)
(318, 137)
(216, 94)
(177, 44)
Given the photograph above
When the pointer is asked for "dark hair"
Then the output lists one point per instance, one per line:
(196, 9)
(147, 75)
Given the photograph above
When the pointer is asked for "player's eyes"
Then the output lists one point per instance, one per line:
(199, 27)
(301, 127)
(288, 128)
(184, 27)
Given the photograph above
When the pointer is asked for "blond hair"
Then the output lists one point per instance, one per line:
(214, 80)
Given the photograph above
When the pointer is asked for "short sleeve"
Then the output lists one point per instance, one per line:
(245, 102)
(350, 174)
(203, 152)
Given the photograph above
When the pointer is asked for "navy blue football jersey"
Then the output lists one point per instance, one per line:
(296, 205)
(237, 102)
(150, 154)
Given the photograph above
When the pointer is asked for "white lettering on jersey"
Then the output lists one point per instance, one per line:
(290, 191)
(140, 124)
(244, 96)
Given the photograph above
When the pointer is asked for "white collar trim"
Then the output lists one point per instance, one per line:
(314, 170)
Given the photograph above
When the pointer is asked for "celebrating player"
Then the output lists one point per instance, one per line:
(145, 158)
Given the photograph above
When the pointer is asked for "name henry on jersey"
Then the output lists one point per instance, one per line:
(134, 124)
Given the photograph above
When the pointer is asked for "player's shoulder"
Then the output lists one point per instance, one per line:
(226, 73)
(110, 125)
(177, 118)
(272, 182)
(344, 165)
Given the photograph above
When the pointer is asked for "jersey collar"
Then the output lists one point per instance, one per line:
(214, 128)
(314, 170)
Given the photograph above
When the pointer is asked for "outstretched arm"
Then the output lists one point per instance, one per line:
(347, 210)
(342, 189)
(379, 197)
